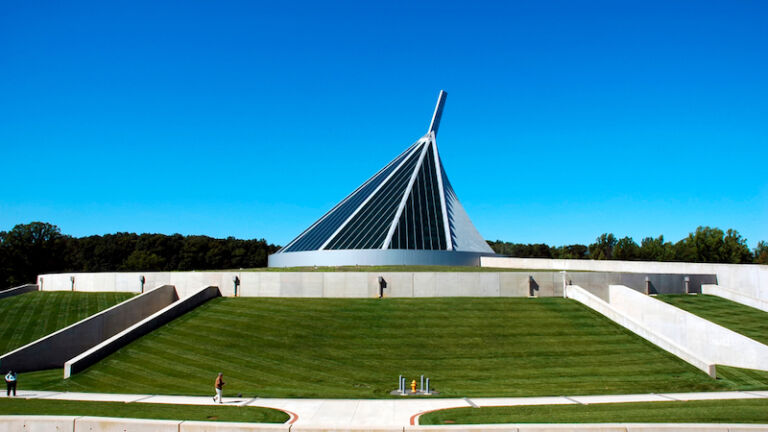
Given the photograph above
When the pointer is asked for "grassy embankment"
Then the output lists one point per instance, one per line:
(711, 411)
(141, 410)
(751, 322)
(356, 348)
(28, 317)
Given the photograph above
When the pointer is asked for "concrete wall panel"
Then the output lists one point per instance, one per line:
(312, 284)
(447, 285)
(424, 284)
(513, 284)
(30, 423)
(203, 426)
(108, 424)
(398, 284)
(748, 279)
(270, 285)
(250, 284)
(356, 285)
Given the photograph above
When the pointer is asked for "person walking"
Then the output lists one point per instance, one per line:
(218, 385)
(10, 382)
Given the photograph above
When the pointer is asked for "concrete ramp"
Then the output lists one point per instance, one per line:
(156, 320)
(696, 340)
(53, 350)
(18, 290)
(106, 330)
(736, 296)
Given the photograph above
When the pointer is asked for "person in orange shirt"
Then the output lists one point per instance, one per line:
(218, 385)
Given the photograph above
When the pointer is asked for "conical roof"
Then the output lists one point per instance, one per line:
(408, 205)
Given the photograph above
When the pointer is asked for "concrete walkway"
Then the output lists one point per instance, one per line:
(381, 412)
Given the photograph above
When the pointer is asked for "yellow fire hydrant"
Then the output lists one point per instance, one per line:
(413, 386)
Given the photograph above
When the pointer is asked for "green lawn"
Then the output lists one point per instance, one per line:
(356, 348)
(751, 322)
(28, 317)
(141, 410)
(712, 411)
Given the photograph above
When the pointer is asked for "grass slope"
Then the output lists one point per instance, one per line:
(141, 410)
(751, 322)
(358, 347)
(28, 317)
(713, 411)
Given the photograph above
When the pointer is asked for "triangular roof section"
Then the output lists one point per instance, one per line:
(409, 204)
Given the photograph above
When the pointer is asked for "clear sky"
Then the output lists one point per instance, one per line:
(564, 119)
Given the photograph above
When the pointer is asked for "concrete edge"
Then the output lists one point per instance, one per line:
(159, 318)
(106, 424)
(22, 289)
(86, 319)
(597, 427)
(735, 296)
(588, 299)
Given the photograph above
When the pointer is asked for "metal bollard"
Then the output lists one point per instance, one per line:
(400, 383)
(427, 392)
(421, 384)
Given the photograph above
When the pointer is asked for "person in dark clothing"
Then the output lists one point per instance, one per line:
(10, 383)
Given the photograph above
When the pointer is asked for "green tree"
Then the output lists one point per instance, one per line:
(141, 260)
(735, 249)
(656, 249)
(626, 249)
(602, 249)
(30, 249)
(574, 251)
(761, 253)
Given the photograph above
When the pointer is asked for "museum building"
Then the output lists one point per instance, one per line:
(406, 214)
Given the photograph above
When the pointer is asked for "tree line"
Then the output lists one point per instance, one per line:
(36, 248)
(705, 245)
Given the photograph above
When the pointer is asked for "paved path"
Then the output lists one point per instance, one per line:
(381, 412)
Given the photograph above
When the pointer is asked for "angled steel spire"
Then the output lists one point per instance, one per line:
(434, 125)
(408, 205)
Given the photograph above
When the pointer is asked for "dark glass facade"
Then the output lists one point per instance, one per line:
(421, 223)
(316, 235)
(369, 227)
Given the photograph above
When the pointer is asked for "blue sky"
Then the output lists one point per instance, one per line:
(564, 119)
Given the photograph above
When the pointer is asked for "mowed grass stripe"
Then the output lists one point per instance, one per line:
(751, 322)
(718, 411)
(357, 347)
(30, 316)
(142, 410)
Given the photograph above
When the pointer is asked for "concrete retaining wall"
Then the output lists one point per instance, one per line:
(365, 284)
(185, 282)
(735, 296)
(599, 305)
(748, 279)
(18, 290)
(160, 318)
(106, 424)
(55, 349)
(691, 333)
